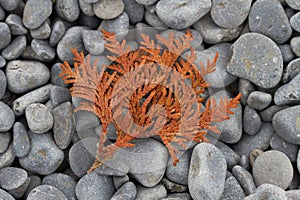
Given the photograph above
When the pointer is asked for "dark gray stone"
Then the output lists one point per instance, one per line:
(233, 190)
(46, 192)
(126, 192)
(9, 5)
(287, 52)
(67, 9)
(251, 121)
(15, 48)
(291, 71)
(2, 14)
(289, 149)
(4, 142)
(7, 117)
(59, 95)
(244, 178)
(108, 9)
(58, 31)
(21, 142)
(43, 49)
(231, 157)
(134, 10)
(3, 84)
(55, 78)
(16, 25)
(156, 192)
(5, 35)
(12, 177)
(93, 41)
(267, 191)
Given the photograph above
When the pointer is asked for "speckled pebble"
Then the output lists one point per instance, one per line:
(126, 192)
(232, 158)
(42, 32)
(21, 142)
(58, 31)
(156, 192)
(291, 71)
(16, 25)
(46, 192)
(67, 9)
(7, 117)
(43, 49)
(93, 41)
(4, 142)
(5, 35)
(244, 178)
(251, 121)
(5, 195)
(59, 95)
(233, 190)
(7, 158)
(12, 177)
(289, 149)
(134, 10)
(295, 4)
(287, 52)
(295, 44)
(3, 84)
(108, 9)
(15, 48)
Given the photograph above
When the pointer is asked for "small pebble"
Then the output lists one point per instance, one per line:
(295, 44)
(21, 142)
(126, 192)
(291, 71)
(7, 117)
(244, 178)
(58, 31)
(86, 8)
(67, 9)
(173, 187)
(5, 35)
(267, 114)
(290, 150)
(3, 84)
(9, 5)
(259, 100)
(146, 193)
(93, 41)
(15, 48)
(42, 32)
(232, 158)
(16, 25)
(46, 192)
(251, 121)
(267, 191)
(253, 155)
(2, 62)
(108, 9)
(4, 142)
(12, 177)
(43, 49)
(134, 10)
(233, 190)
(295, 4)
(59, 95)
(245, 88)
(287, 52)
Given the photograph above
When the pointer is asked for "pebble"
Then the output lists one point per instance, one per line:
(288, 94)
(287, 52)
(233, 190)
(86, 8)
(20, 191)
(232, 158)
(113, 168)
(23, 75)
(5, 195)
(93, 41)
(267, 114)
(178, 196)
(127, 191)
(9, 5)
(39, 95)
(134, 10)
(2, 62)
(245, 162)
(12, 178)
(63, 182)
(291, 71)
(55, 78)
(3, 84)
(208, 30)
(39, 118)
(295, 4)
(293, 194)
(58, 31)
(286, 123)
(21, 142)
(15, 48)
(4, 142)
(230, 13)
(253, 155)
(290, 150)
(120, 180)
(35, 182)
(7, 117)
(207, 173)
(64, 125)
(173, 187)
(267, 191)
(85, 120)
(154, 21)
(179, 14)
(244, 178)
(44, 156)
(295, 22)
(108, 9)
(2, 14)
(36, 12)
(295, 42)
(146, 2)
(43, 49)
(259, 100)
(249, 60)
(46, 192)
(67, 9)
(245, 88)
(251, 121)
(146, 193)
(7, 158)
(59, 95)
(16, 25)
(5, 35)
(42, 32)
(94, 187)
(91, 22)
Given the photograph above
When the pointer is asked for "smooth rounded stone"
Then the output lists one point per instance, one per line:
(39, 118)
(120, 180)
(58, 31)
(245, 162)
(15, 48)
(267, 191)
(16, 25)
(178, 196)
(113, 168)
(2, 62)
(29, 54)
(71, 39)
(270, 166)
(5, 195)
(179, 14)
(245, 88)
(154, 21)
(134, 10)
(207, 173)
(42, 32)
(36, 12)
(35, 181)
(119, 25)
(269, 18)
(286, 123)
(5, 35)
(86, 8)
(59, 95)
(146, 2)
(20, 191)
(55, 78)
(12, 177)
(267, 114)
(7, 158)
(108, 9)
(290, 150)
(209, 30)
(23, 75)
(146, 193)
(260, 140)
(249, 60)
(9, 5)
(230, 13)
(295, 44)
(94, 187)
(93, 41)
(251, 121)
(91, 22)
(127, 191)
(179, 173)
(4, 142)
(173, 187)
(85, 120)
(44, 156)
(291, 71)
(294, 4)
(288, 94)
(39, 95)
(46, 192)
(63, 182)
(43, 49)
(295, 22)
(233, 190)
(67, 9)
(21, 142)
(231, 157)
(287, 52)
(253, 155)
(7, 117)
(293, 194)
(244, 178)
(3, 84)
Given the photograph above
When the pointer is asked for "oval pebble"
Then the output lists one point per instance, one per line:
(5, 35)
(43, 49)
(46, 192)
(58, 31)
(244, 178)
(251, 121)
(16, 25)
(21, 142)
(108, 9)
(15, 48)
(4, 142)
(259, 100)
(67, 9)
(295, 4)
(127, 192)
(7, 117)
(5, 195)
(156, 192)
(291, 71)
(12, 177)
(267, 191)
(3, 84)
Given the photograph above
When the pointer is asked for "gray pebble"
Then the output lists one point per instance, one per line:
(232, 158)
(2, 14)
(46, 192)
(44, 156)
(64, 126)
(207, 173)
(5, 195)
(295, 22)
(39, 118)
(134, 10)
(67, 9)
(58, 31)
(126, 192)
(9, 5)
(290, 150)
(36, 12)
(245, 88)
(245, 162)
(179, 14)
(4, 142)
(260, 140)
(29, 54)
(16, 25)
(249, 60)
(244, 178)
(42, 32)
(5, 35)
(153, 20)
(146, 2)
(288, 94)
(59, 95)
(146, 193)
(23, 76)
(267, 191)
(113, 168)
(55, 78)
(108, 9)
(291, 71)
(91, 22)
(85, 120)
(21, 142)
(267, 114)
(34, 182)
(173, 187)
(230, 13)
(3, 84)
(178, 196)
(295, 44)
(86, 8)
(233, 190)
(93, 41)
(43, 49)
(208, 29)
(15, 48)
(90, 1)
(295, 4)
(120, 180)
(12, 177)
(251, 121)
(270, 166)
(63, 182)
(293, 194)
(259, 100)
(287, 52)
(286, 124)
(2, 62)
(20, 191)
(39, 95)
(7, 117)
(253, 155)
(7, 158)
(94, 187)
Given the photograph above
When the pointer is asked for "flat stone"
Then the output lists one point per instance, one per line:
(16, 25)
(46, 192)
(7, 117)
(21, 142)
(15, 48)
(67, 9)
(108, 9)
